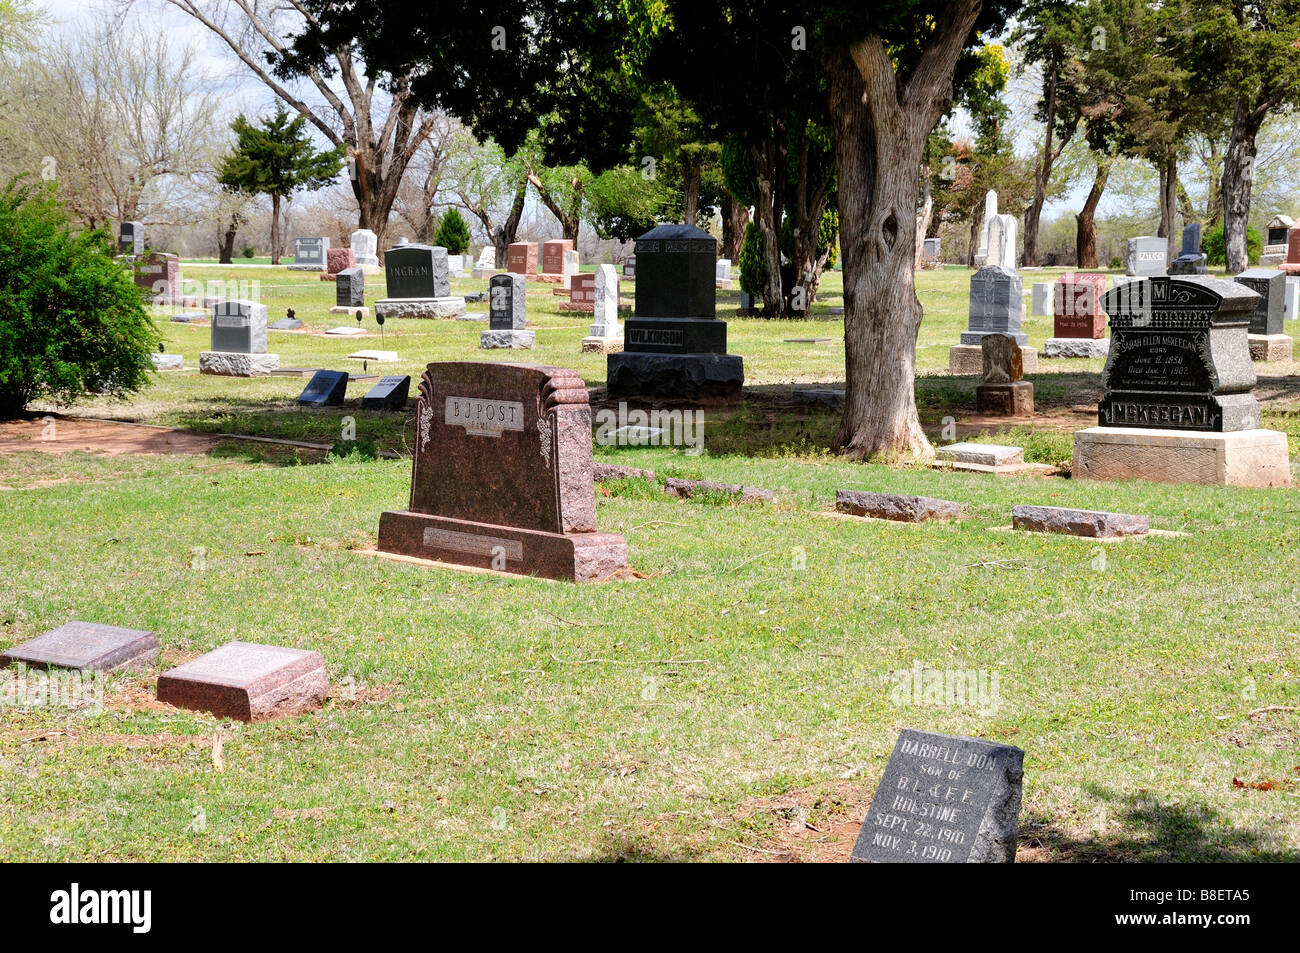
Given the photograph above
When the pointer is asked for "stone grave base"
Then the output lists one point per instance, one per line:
(167, 362)
(548, 278)
(576, 306)
(687, 376)
(593, 344)
(1076, 347)
(305, 267)
(1256, 458)
(479, 273)
(969, 359)
(234, 364)
(247, 681)
(722, 283)
(1014, 399)
(507, 338)
(448, 307)
(340, 309)
(1270, 347)
(368, 269)
(576, 557)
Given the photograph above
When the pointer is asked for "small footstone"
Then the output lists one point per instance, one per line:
(974, 812)
(507, 337)
(685, 489)
(1076, 347)
(85, 646)
(235, 364)
(444, 307)
(985, 454)
(285, 324)
(167, 362)
(248, 682)
(894, 506)
(820, 395)
(345, 331)
(1091, 523)
(604, 472)
(1270, 347)
(191, 317)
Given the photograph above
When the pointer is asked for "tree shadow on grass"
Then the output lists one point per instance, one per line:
(1141, 828)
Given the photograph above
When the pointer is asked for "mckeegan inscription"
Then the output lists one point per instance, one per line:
(484, 418)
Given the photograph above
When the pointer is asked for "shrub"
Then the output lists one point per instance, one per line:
(753, 263)
(1215, 246)
(72, 322)
(453, 233)
(353, 451)
(249, 252)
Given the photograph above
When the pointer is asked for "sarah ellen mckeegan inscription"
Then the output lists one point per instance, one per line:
(944, 799)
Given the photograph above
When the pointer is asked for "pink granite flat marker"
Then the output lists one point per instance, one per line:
(248, 682)
(85, 646)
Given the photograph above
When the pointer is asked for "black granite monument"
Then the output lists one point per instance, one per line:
(1179, 357)
(675, 346)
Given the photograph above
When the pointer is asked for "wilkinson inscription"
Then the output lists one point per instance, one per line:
(484, 418)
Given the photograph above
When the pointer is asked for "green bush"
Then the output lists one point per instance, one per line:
(352, 451)
(72, 322)
(1215, 247)
(249, 252)
(828, 237)
(453, 233)
(753, 263)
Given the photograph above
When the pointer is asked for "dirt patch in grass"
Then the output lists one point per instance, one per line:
(66, 434)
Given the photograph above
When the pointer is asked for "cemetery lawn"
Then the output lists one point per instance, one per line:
(739, 702)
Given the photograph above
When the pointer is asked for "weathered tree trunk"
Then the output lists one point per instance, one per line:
(691, 176)
(976, 226)
(881, 126)
(571, 218)
(1168, 169)
(735, 216)
(1185, 207)
(1043, 168)
(927, 211)
(1085, 240)
(806, 209)
(226, 247)
(275, 229)
(1239, 182)
(767, 216)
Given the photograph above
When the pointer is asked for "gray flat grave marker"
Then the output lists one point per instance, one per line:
(85, 646)
(944, 799)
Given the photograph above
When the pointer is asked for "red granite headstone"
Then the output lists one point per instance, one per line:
(582, 293)
(85, 646)
(248, 682)
(553, 255)
(339, 259)
(502, 475)
(1077, 310)
(521, 258)
(158, 275)
(1292, 264)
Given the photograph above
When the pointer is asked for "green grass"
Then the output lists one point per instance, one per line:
(674, 716)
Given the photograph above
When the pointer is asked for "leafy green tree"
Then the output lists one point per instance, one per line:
(453, 232)
(1247, 47)
(72, 322)
(277, 159)
(1213, 243)
(753, 262)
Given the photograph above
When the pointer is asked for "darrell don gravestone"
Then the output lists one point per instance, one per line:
(502, 475)
(944, 799)
(507, 314)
